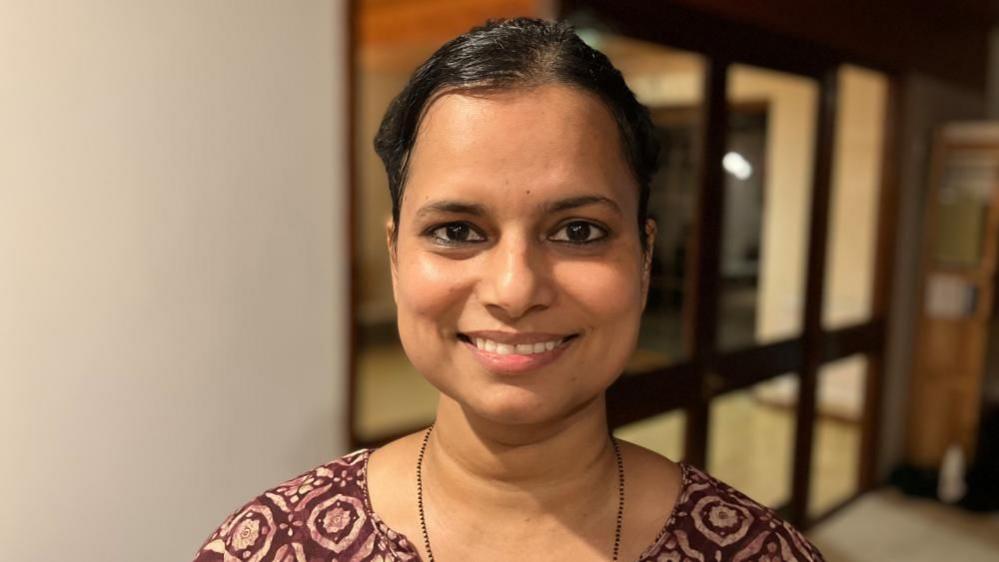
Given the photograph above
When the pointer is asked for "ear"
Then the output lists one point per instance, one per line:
(650, 246)
(391, 240)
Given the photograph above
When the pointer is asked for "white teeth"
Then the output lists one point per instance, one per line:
(520, 348)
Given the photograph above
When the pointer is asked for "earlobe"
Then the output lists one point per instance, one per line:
(650, 234)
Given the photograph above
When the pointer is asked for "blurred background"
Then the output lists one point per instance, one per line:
(194, 292)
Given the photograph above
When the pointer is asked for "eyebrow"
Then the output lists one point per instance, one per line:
(456, 207)
(452, 207)
(581, 201)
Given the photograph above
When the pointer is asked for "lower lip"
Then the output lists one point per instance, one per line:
(514, 363)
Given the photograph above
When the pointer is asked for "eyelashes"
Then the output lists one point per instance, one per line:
(462, 233)
(579, 232)
(455, 234)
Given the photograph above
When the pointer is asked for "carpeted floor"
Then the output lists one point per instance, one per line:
(886, 526)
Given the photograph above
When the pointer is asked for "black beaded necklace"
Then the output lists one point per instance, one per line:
(423, 519)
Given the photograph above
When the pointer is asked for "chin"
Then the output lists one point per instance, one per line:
(520, 406)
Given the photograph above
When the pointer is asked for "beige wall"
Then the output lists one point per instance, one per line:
(173, 267)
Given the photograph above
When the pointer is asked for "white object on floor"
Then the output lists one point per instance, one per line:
(951, 487)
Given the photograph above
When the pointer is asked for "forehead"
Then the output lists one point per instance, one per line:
(550, 140)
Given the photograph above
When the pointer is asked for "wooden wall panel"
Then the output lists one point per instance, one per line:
(945, 39)
(431, 21)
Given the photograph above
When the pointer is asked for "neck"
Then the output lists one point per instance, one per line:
(563, 465)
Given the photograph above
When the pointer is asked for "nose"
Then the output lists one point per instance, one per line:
(516, 278)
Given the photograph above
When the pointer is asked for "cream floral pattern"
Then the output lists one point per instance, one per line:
(336, 520)
(325, 515)
(246, 533)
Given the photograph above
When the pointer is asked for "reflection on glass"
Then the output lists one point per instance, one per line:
(768, 181)
(662, 434)
(836, 451)
(856, 185)
(751, 442)
(669, 83)
(962, 207)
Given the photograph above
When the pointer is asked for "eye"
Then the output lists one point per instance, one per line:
(455, 233)
(579, 232)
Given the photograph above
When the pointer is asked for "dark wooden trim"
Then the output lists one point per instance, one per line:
(884, 267)
(703, 283)
(688, 28)
(351, 37)
(865, 338)
(634, 397)
(746, 367)
(687, 114)
(812, 349)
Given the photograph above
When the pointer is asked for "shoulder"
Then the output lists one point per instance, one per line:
(713, 521)
(319, 512)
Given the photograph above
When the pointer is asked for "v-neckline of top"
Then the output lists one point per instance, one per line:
(404, 543)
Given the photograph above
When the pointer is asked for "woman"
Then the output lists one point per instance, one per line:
(519, 166)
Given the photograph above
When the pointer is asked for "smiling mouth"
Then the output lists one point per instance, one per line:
(500, 348)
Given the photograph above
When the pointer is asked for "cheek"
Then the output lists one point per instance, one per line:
(609, 292)
(430, 290)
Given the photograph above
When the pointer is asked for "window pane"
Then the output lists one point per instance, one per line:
(856, 181)
(751, 443)
(669, 82)
(768, 185)
(662, 434)
(839, 407)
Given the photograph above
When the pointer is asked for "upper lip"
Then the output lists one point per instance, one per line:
(513, 338)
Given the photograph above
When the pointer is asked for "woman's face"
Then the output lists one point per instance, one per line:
(517, 269)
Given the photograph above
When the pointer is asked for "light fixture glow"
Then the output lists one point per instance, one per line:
(737, 165)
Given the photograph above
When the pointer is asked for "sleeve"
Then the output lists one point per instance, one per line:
(210, 552)
(213, 548)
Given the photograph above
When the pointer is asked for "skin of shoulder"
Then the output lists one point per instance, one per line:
(652, 487)
(391, 477)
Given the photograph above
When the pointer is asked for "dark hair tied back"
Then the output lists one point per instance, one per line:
(508, 54)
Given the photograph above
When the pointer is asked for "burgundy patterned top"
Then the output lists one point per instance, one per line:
(325, 515)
